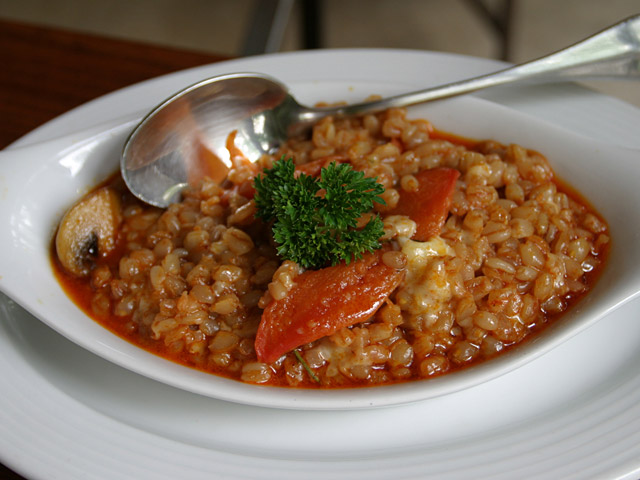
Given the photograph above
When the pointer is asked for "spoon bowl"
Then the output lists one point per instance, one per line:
(185, 137)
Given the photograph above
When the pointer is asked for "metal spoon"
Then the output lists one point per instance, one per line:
(185, 137)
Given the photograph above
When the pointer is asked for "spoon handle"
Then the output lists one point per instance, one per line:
(612, 53)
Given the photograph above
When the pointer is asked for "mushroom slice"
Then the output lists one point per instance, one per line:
(88, 230)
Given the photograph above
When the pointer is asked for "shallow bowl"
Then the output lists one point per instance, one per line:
(40, 182)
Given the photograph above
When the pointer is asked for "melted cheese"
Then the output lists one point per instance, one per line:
(426, 288)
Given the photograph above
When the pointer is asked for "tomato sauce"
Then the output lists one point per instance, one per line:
(82, 292)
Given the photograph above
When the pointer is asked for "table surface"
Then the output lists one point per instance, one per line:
(46, 72)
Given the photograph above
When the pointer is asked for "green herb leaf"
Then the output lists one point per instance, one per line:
(306, 366)
(315, 220)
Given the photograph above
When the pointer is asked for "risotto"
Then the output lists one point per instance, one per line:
(514, 249)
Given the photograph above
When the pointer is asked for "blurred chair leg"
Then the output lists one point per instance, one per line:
(267, 27)
(500, 20)
(311, 24)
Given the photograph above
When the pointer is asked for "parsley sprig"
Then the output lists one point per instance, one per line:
(315, 220)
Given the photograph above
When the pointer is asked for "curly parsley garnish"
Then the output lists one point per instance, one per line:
(315, 220)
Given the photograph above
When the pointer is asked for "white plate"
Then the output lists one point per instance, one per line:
(66, 412)
(45, 179)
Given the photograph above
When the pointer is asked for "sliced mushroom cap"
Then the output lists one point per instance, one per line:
(88, 230)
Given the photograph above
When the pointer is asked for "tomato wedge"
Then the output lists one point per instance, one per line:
(324, 301)
(314, 167)
(429, 205)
